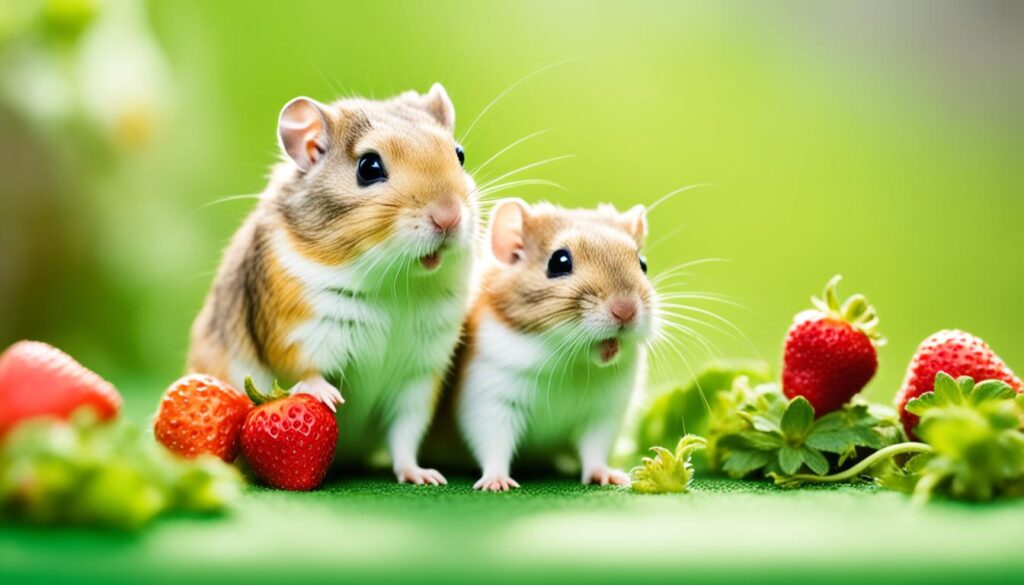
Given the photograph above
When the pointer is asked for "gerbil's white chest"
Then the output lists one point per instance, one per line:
(559, 391)
(380, 323)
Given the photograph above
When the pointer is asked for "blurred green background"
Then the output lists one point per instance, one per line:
(876, 140)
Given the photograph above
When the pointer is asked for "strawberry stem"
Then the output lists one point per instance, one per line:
(856, 310)
(863, 465)
(258, 397)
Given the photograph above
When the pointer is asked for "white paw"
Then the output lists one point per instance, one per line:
(420, 476)
(320, 389)
(495, 483)
(605, 476)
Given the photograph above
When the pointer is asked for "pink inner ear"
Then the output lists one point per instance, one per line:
(301, 130)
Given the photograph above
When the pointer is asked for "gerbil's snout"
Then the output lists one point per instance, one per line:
(624, 310)
(445, 218)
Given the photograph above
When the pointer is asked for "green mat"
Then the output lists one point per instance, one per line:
(370, 529)
(357, 530)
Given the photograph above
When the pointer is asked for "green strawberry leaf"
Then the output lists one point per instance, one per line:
(814, 460)
(947, 390)
(991, 391)
(755, 440)
(790, 459)
(798, 419)
(741, 463)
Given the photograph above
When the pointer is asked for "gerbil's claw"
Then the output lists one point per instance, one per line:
(606, 476)
(320, 389)
(420, 476)
(495, 483)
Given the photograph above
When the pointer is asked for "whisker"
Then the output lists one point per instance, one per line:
(672, 194)
(227, 199)
(486, 184)
(509, 147)
(465, 135)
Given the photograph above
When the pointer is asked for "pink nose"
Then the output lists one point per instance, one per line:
(446, 219)
(623, 310)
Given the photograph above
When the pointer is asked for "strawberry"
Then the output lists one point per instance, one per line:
(201, 414)
(956, 353)
(37, 379)
(288, 441)
(829, 354)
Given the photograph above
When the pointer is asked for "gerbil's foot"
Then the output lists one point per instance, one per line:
(320, 389)
(420, 476)
(605, 476)
(495, 483)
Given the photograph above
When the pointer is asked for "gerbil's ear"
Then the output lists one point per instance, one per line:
(636, 223)
(507, 230)
(437, 102)
(302, 131)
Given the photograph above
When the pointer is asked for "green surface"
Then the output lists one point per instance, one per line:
(723, 530)
(361, 527)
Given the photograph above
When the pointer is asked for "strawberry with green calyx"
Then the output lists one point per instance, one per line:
(957, 353)
(288, 440)
(668, 471)
(829, 353)
(973, 449)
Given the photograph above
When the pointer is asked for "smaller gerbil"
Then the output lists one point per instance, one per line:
(555, 343)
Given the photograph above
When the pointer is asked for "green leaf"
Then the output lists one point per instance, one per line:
(833, 421)
(947, 390)
(741, 463)
(833, 441)
(797, 419)
(922, 403)
(706, 405)
(815, 460)
(765, 424)
(790, 459)
(761, 441)
(991, 390)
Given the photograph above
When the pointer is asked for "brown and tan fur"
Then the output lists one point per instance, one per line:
(331, 228)
(529, 333)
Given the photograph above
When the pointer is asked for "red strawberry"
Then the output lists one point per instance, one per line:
(958, 354)
(201, 414)
(829, 354)
(37, 379)
(288, 441)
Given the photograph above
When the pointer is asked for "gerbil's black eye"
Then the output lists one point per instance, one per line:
(643, 263)
(461, 154)
(370, 170)
(560, 263)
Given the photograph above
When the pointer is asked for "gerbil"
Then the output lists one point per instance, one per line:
(355, 265)
(555, 340)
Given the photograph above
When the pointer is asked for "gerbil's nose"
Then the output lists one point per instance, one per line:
(624, 310)
(446, 219)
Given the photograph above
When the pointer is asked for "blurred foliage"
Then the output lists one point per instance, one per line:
(104, 474)
(878, 141)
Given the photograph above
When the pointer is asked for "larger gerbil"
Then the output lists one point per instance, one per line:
(354, 266)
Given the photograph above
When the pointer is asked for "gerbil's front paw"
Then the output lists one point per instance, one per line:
(320, 389)
(420, 476)
(605, 476)
(495, 483)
